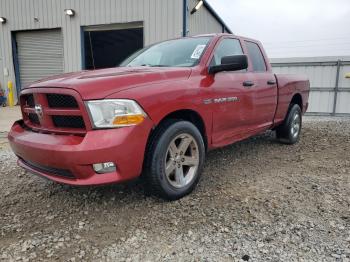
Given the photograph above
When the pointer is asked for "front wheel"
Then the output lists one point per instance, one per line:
(174, 160)
(289, 131)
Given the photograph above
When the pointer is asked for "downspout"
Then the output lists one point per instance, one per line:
(185, 18)
(16, 65)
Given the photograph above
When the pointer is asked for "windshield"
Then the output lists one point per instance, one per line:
(185, 52)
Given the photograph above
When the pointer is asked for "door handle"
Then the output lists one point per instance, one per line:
(248, 83)
(271, 82)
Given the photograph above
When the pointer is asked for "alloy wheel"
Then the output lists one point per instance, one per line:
(295, 126)
(182, 160)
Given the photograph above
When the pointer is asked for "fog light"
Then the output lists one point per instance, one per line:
(102, 168)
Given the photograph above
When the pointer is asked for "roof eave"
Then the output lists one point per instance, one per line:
(215, 14)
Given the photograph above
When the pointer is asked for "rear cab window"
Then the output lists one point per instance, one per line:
(256, 57)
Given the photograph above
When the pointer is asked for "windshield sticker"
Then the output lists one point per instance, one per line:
(198, 52)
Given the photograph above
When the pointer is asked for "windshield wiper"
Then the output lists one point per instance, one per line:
(159, 66)
(148, 65)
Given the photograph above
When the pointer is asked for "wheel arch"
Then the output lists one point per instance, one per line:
(189, 115)
(181, 114)
(297, 99)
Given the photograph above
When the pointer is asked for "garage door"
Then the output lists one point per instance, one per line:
(39, 54)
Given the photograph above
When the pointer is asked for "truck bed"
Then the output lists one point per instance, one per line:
(288, 86)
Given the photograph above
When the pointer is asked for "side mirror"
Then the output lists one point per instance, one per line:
(230, 63)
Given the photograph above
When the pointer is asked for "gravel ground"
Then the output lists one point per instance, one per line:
(257, 200)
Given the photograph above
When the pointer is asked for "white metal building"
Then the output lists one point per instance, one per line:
(330, 89)
(39, 38)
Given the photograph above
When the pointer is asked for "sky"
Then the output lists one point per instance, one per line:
(291, 28)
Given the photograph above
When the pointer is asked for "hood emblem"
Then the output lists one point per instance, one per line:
(39, 111)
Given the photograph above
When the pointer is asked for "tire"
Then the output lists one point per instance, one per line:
(290, 130)
(167, 154)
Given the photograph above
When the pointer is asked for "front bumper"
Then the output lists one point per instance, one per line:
(75, 154)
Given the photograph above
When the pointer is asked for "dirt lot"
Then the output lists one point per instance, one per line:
(257, 201)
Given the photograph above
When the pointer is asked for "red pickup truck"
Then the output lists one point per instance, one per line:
(156, 114)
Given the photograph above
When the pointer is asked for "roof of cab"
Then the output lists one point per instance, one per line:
(226, 34)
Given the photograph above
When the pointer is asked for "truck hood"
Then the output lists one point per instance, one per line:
(98, 84)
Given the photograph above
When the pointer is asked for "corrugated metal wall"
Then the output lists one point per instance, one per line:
(162, 19)
(330, 90)
(202, 21)
(2, 82)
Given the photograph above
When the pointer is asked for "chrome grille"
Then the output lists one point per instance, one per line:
(68, 121)
(34, 118)
(53, 112)
(61, 101)
(29, 100)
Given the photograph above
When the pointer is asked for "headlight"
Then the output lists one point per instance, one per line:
(110, 113)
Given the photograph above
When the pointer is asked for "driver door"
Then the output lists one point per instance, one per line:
(232, 98)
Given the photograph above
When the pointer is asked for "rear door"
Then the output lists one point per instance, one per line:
(263, 85)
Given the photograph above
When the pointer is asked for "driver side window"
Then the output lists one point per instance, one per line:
(227, 47)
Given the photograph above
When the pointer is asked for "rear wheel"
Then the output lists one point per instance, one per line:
(289, 131)
(174, 160)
